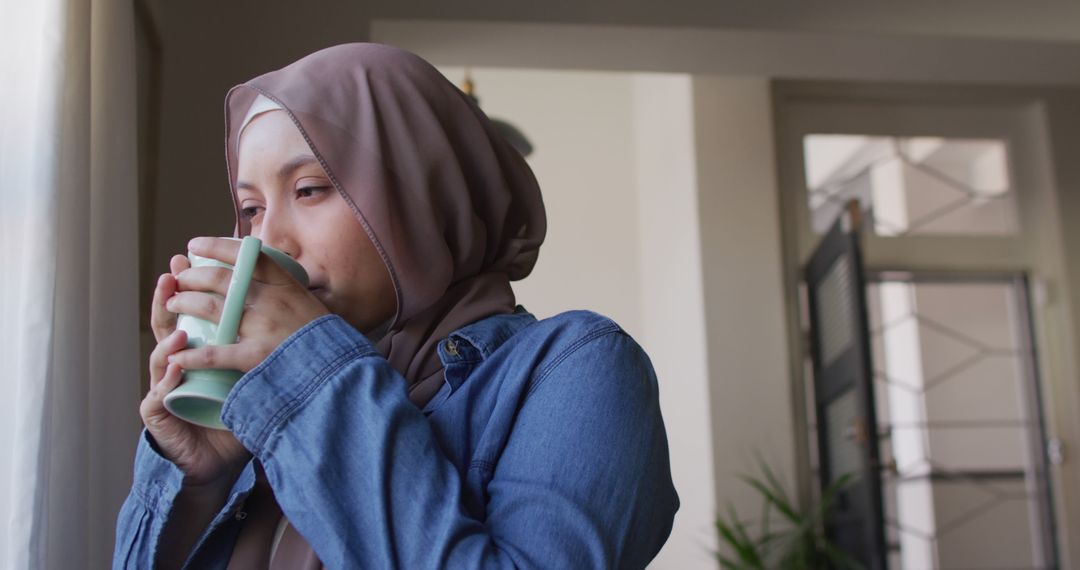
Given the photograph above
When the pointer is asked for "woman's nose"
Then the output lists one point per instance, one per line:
(283, 245)
(276, 234)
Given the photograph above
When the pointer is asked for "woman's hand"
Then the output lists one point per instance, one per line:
(276, 306)
(206, 456)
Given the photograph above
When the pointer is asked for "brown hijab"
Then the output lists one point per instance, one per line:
(452, 208)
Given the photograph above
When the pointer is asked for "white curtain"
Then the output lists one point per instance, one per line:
(69, 364)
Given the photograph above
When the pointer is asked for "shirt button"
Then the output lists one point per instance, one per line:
(240, 515)
(451, 347)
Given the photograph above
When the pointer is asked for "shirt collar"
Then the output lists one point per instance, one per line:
(477, 341)
(467, 347)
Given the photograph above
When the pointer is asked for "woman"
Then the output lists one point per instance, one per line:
(402, 411)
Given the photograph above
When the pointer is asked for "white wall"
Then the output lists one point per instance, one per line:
(743, 283)
(673, 303)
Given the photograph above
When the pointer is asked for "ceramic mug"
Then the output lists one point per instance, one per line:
(199, 397)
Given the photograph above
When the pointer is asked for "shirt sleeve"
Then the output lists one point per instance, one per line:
(141, 516)
(157, 482)
(584, 480)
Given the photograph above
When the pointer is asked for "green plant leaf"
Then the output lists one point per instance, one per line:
(734, 534)
(778, 501)
(751, 552)
(726, 562)
(772, 480)
(766, 510)
(728, 536)
(799, 542)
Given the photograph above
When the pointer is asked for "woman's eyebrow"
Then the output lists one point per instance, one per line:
(295, 163)
(286, 169)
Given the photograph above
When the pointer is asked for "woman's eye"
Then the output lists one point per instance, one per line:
(308, 191)
(249, 212)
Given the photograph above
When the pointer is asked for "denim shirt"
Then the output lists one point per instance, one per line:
(543, 449)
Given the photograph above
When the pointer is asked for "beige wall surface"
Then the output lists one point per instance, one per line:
(958, 18)
(673, 303)
(751, 405)
(1056, 259)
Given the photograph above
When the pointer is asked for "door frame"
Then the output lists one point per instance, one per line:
(1038, 252)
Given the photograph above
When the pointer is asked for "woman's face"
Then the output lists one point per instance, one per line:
(292, 206)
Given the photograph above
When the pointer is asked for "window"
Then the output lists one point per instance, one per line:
(912, 185)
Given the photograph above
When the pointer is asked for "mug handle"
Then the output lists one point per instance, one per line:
(233, 308)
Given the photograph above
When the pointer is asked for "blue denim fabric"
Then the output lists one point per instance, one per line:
(543, 449)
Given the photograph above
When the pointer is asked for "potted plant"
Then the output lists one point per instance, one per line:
(797, 541)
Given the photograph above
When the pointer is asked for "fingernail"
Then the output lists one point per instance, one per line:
(170, 358)
(161, 279)
(198, 243)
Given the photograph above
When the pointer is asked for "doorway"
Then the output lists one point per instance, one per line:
(957, 224)
(964, 477)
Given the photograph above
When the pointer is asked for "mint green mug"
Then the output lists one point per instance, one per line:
(199, 397)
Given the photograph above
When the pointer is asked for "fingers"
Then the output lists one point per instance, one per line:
(226, 251)
(158, 357)
(178, 263)
(241, 356)
(173, 374)
(206, 306)
(162, 321)
(152, 409)
(208, 278)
